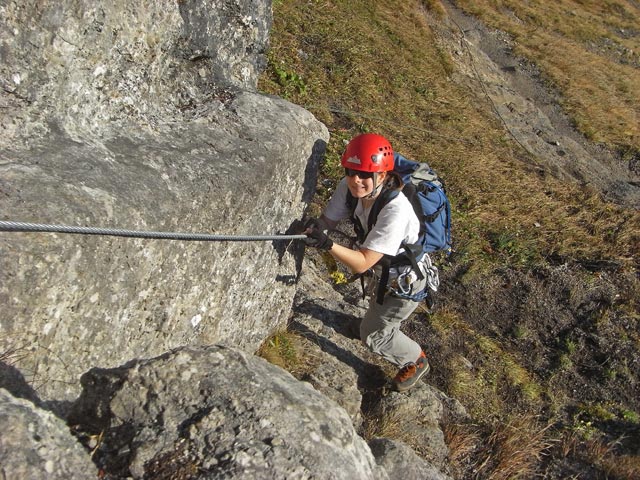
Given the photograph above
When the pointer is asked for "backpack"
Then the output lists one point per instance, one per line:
(426, 193)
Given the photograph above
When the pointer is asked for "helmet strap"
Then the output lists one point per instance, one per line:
(376, 187)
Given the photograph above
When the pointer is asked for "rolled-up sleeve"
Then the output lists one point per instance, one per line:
(337, 209)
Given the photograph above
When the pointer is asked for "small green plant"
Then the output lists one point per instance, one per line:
(597, 411)
(630, 416)
(571, 346)
(338, 278)
(565, 361)
(514, 247)
(280, 349)
(585, 429)
(520, 332)
(290, 81)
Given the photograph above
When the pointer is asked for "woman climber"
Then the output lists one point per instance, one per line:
(370, 185)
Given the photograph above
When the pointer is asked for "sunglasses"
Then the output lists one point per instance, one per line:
(363, 175)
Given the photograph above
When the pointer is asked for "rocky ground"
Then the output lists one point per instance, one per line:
(332, 358)
(549, 320)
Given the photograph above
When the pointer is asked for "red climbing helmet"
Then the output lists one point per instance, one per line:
(369, 153)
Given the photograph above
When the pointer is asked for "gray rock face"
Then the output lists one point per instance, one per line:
(65, 296)
(36, 444)
(114, 116)
(96, 65)
(417, 414)
(230, 42)
(400, 461)
(218, 413)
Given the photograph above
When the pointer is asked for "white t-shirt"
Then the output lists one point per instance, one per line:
(397, 222)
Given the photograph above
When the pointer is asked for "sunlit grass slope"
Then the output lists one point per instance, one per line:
(376, 66)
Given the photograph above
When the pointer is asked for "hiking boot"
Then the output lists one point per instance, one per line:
(411, 372)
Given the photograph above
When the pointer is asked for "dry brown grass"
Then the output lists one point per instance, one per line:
(587, 49)
(601, 454)
(622, 467)
(513, 450)
(435, 7)
(462, 441)
(510, 450)
(392, 426)
(13, 354)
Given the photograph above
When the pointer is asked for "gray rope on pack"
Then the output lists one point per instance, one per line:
(9, 226)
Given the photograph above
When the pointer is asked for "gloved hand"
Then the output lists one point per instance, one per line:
(315, 236)
(311, 223)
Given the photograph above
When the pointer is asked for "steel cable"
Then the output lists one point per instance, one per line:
(9, 226)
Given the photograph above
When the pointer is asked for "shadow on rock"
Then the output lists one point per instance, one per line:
(369, 376)
(341, 322)
(14, 382)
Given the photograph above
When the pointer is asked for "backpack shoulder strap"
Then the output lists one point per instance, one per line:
(352, 204)
(383, 199)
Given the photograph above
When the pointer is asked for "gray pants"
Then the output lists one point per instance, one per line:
(380, 327)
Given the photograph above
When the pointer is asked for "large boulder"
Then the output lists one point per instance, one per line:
(216, 412)
(37, 444)
(417, 414)
(143, 118)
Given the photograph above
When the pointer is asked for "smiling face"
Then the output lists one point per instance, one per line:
(361, 186)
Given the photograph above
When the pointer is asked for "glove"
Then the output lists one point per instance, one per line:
(319, 239)
(315, 236)
(311, 223)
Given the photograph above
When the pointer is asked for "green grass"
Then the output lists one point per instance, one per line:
(281, 349)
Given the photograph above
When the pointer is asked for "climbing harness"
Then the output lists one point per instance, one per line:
(401, 285)
(9, 226)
